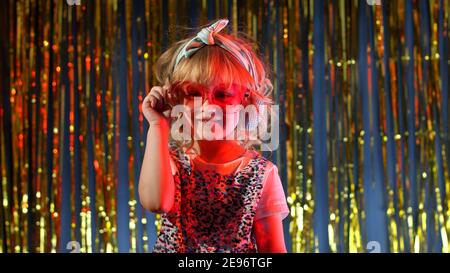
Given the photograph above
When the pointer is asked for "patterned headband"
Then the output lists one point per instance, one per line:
(209, 36)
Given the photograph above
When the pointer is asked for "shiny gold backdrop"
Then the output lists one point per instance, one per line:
(364, 143)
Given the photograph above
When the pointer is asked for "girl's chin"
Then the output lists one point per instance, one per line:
(211, 129)
(217, 133)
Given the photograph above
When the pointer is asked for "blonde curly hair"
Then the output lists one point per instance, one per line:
(213, 64)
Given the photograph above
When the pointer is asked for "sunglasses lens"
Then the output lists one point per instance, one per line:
(182, 91)
(221, 95)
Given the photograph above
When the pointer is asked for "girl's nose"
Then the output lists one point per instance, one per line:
(207, 106)
(206, 102)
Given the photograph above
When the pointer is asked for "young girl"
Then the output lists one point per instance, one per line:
(213, 195)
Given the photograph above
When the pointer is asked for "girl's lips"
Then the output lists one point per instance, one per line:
(206, 117)
(204, 120)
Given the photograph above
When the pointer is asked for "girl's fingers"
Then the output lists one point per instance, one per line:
(157, 91)
(152, 102)
(155, 88)
(160, 94)
(157, 102)
(157, 95)
(147, 101)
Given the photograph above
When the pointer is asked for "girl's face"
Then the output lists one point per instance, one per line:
(223, 96)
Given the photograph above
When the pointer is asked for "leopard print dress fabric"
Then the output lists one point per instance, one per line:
(212, 212)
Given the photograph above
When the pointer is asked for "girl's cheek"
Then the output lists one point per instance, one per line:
(188, 108)
(237, 101)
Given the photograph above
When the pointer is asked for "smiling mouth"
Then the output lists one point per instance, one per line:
(206, 119)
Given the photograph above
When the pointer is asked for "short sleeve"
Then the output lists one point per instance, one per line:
(273, 199)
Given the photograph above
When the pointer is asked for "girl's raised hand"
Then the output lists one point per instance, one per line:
(155, 107)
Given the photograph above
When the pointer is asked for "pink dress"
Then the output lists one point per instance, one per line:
(216, 204)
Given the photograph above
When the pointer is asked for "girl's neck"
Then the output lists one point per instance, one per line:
(219, 151)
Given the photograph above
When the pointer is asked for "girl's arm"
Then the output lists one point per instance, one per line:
(269, 234)
(156, 184)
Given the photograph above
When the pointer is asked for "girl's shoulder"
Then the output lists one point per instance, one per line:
(265, 166)
(269, 168)
(258, 156)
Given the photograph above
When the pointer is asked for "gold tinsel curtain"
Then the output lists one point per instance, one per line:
(362, 85)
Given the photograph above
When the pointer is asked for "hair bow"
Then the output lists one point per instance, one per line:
(207, 36)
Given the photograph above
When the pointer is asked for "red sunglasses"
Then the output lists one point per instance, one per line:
(220, 94)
